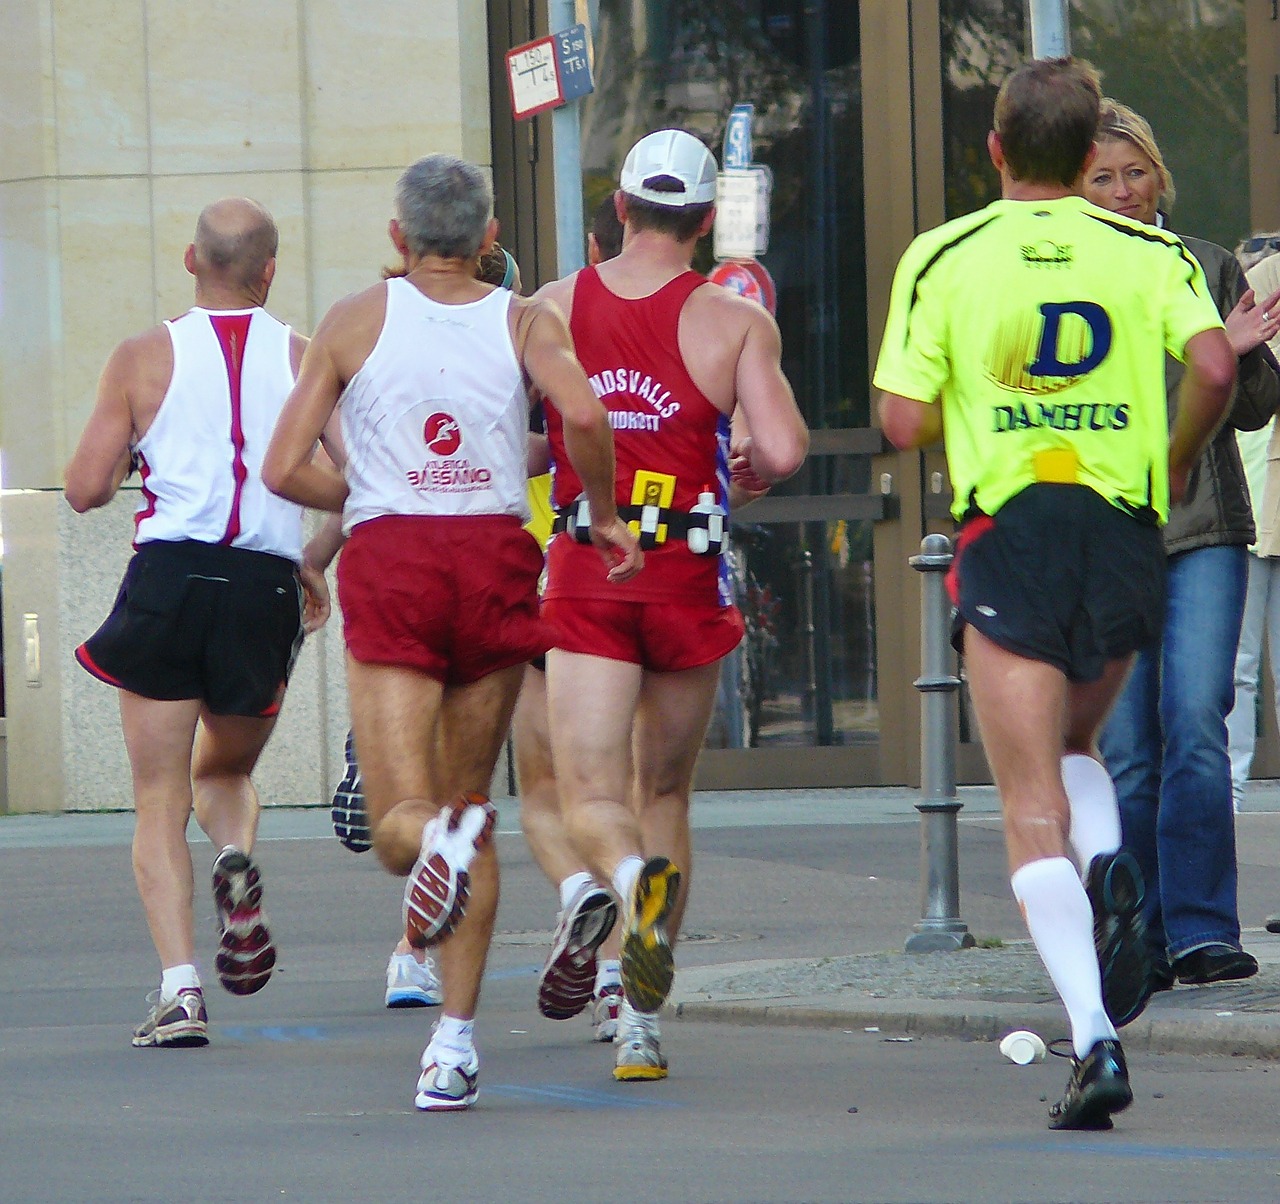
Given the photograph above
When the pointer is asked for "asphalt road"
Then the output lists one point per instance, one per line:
(306, 1090)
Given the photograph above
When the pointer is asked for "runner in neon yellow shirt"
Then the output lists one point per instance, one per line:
(1034, 335)
(1042, 327)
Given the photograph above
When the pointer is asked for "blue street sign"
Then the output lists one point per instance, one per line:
(737, 138)
(571, 58)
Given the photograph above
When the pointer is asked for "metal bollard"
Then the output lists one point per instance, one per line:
(940, 927)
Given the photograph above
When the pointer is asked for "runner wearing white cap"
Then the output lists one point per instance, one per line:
(673, 358)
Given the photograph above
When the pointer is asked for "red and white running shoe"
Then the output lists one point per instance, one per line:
(246, 952)
(435, 895)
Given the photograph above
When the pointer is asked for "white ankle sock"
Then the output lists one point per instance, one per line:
(1095, 814)
(1060, 921)
(452, 1037)
(625, 875)
(608, 974)
(177, 978)
(572, 885)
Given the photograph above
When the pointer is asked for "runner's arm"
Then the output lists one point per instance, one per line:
(103, 458)
(290, 467)
(780, 439)
(908, 423)
(1202, 401)
(553, 367)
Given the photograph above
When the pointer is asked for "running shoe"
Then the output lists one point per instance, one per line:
(246, 953)
(179, 1022)
(639, 1058)
(1215, 963)
(648, 967)
(1099, 1086)
(1115, 888)
(436, 894)
(567, 979)
(604, 1013)
(411, 983)
(447, 1088)
(350, 815)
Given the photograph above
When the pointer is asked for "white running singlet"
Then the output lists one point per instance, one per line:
(436, 419)
(201, 458)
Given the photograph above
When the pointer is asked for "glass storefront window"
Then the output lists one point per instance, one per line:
(783, 685)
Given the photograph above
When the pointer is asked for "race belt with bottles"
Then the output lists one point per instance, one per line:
(652, 520)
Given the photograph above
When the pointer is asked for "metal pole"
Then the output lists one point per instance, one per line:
(940, 927)
(566, 137)
(1049, 26)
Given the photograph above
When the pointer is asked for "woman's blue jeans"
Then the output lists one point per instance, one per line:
(1165, 745)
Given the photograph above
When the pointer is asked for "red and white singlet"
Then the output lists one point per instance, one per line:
(435, 420)
(201, 458)
(671, 443)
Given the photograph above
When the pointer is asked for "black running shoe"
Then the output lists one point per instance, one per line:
(1116, 891)
(1099, 1086)
(350, 816)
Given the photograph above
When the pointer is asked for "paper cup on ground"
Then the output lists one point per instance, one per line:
(1023, 1047)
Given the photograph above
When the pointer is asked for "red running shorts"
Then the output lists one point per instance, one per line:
(454, 597)
(663, 637)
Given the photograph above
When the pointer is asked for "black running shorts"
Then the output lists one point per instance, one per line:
(198, 620)
(1062, 576)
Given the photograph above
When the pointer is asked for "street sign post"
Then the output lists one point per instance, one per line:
(534, 78)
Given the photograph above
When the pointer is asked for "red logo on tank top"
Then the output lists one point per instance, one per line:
(441, 434)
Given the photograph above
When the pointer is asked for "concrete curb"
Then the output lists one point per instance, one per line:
(1228, 1035)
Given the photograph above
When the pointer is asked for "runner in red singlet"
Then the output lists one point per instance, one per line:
(673, 358)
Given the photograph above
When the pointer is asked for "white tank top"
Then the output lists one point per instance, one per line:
(201, 458)
(436, 420)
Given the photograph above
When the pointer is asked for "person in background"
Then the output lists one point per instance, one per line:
(1260, 455)
(1165, 743)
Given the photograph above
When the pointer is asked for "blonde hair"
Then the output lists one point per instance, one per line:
(1119, 123)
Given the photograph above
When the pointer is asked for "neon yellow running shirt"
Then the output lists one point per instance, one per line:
(1042, 327)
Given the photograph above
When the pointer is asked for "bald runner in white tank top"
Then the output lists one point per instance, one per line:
(435, 420)
(201, 459)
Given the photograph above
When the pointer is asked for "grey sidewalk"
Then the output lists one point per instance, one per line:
(789, 872)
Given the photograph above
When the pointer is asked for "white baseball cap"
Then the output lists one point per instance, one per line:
(672, 158)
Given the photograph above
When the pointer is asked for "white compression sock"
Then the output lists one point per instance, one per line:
(177, 978)
(1095, 814)
(1060, 921)
(625, 875)
(571, 885)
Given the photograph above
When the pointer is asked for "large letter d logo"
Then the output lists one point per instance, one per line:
(1094, 316)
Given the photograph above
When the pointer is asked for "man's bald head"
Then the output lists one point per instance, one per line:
(235, 240)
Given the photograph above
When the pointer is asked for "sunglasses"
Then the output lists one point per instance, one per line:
(1270, 242)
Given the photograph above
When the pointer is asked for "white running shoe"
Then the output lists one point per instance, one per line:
(639, 1057)
(435, 895)
(604, 1013)
(411, 983)
(446, 1087)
